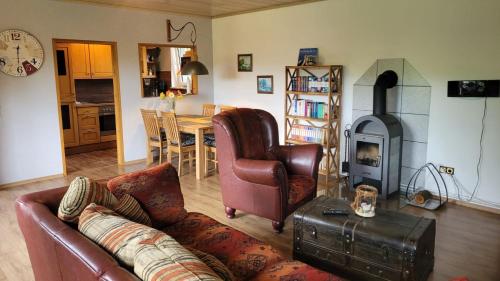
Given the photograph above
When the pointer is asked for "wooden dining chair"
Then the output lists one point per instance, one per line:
(226, 108)
(210, 151)
(180, 143)
(208, 110)
(155, 139)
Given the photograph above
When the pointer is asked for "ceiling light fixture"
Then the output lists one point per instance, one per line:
(192, 67)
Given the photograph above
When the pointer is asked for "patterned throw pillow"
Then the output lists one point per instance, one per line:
(161, 258)
(157, 189)
(154, 255)
(214, 263)
(116, 234)
(81, 192)
(130, 208)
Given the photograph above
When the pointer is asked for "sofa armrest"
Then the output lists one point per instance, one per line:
(301, 159)
(265, 172)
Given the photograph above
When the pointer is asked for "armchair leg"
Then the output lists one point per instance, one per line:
(278, 226)
(230, 212)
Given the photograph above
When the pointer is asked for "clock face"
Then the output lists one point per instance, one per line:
(20, 53)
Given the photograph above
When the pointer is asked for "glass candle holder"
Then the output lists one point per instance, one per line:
(365, 201)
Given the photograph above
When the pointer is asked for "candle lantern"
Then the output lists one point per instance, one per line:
(365, 201)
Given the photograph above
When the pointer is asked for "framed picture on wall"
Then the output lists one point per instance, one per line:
(245, 63)
(265, 84)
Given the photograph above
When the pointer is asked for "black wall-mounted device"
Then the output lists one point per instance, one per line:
(474, 88)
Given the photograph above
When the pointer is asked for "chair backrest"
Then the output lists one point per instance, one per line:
(169, 122)
(247, 133)
(208, 110)
(226, 108)
(151, 123)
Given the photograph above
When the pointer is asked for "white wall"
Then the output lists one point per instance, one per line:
(29, 128)
(444, 40)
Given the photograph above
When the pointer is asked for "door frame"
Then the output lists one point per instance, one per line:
(116, 95)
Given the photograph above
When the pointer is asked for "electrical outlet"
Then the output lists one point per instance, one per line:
(447, 170)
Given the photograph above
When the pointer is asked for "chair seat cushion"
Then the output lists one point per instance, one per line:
(186, 140)
(163, 137)
(209, 139)
(299, 187)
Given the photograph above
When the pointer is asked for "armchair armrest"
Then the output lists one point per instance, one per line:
(301, 159)
(265, 172)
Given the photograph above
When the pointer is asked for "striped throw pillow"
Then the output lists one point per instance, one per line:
(114, 233)
(161, 258)
(214, 263)
(131, 209)
(81, 192)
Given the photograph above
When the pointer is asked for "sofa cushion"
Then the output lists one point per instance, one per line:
(294, 271)
(131, 209)
(81, 192)
(161, 258)
(114, 233)
(245, 256)
(299, 187)
(157, 189)
(214, 263)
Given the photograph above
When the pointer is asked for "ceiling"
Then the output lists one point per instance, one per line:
(206, 8)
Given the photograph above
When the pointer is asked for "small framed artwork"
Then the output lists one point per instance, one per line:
(265, 84)
(245, 63)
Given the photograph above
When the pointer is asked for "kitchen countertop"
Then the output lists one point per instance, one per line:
(88, 104)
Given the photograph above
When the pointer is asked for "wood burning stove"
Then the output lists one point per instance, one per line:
(376, 144)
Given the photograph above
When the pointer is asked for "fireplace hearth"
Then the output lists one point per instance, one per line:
(376, 144)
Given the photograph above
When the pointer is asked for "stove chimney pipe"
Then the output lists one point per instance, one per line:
(385, 81)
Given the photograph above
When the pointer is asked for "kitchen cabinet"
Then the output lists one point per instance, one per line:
(101, 61)
(91, 61)
(79, 58)
(65, 83)
(88, 125)
(69, 124)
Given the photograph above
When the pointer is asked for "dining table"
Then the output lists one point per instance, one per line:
(198, 125)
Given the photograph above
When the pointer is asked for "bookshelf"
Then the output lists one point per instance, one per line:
(312, 113)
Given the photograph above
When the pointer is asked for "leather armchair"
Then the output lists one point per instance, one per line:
(257, 175)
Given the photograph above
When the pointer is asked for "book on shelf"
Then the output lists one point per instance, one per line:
(309, 108)
(310, 83)
(307, 133)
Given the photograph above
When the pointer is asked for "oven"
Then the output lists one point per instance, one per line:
(107, 123)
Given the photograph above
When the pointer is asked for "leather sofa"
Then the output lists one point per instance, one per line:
(257, 175)
(59, 252)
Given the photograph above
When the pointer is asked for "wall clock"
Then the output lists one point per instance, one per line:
(21, 54)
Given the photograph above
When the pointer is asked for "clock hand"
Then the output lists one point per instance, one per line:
(17, 49)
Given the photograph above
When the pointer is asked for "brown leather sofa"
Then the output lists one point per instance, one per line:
(257, 175)
(58, 252)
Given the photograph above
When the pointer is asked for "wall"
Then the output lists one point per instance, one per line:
(29, 128)
(444, 40)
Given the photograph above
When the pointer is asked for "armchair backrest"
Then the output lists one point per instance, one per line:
(248, 133)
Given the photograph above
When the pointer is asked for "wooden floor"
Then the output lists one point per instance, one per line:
(467, 242)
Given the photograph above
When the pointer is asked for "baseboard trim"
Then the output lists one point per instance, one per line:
(33, 180)
(137, 161)
(473, 205)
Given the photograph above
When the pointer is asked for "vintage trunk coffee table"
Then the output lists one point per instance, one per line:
(390, 246)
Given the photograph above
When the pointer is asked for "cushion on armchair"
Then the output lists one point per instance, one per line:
(299, 187)
(157, 189)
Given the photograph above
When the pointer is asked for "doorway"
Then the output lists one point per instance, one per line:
(89, 107)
